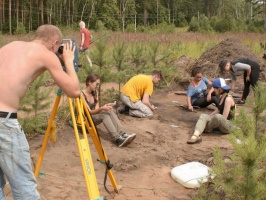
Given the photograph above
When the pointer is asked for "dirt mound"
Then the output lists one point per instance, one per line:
(229, 49)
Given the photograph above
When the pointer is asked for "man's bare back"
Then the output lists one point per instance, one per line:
(22, 62)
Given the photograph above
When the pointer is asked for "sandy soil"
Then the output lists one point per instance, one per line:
(142, 168)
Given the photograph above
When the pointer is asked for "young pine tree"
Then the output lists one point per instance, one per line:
(243, 177)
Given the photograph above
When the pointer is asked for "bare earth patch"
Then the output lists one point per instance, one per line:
(143, 167)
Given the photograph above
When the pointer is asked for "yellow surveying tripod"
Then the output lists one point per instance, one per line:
(86, 123)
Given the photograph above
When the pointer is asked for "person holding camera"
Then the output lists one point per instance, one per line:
(105, 114)
(20, 64)
(85, 40)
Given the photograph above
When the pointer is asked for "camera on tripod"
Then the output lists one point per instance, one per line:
(76, 56)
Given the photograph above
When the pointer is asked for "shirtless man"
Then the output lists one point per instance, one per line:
(20, 64)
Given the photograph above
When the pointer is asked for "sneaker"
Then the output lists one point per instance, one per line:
(132, 136)
(123, 109)
(196, 140)
(123, 141)
(240, 102)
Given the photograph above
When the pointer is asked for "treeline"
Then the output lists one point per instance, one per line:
(22, 16)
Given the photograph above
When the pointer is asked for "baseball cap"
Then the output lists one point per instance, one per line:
(220, 83)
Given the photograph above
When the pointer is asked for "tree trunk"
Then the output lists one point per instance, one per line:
(1, 15)
(145, 14)
(30, 18)
(41, 8)
(9, 15)
(17, 5)
(264, 12)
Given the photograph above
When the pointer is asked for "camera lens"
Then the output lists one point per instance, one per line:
(60, 49)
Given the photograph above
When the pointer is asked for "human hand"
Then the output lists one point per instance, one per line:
(111, 104)
(209, 97)
(247, 79)
(68, 52)
(153, 107)
(190, 108)
(107, 107)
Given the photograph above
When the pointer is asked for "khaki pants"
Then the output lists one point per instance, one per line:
(136, 109)
(207, 123)
(111, 123)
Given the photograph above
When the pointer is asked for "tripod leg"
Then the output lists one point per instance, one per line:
(85, 154)
(95, 138)
(46, 137)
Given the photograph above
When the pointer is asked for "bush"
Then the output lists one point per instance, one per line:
(200, 25)
(194, 25)
(99, 26)
(130, 28)
(141, 29)
(20, 29)
(181, 20)
(166, 28)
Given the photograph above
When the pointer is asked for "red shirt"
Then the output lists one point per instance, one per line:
(87, 37)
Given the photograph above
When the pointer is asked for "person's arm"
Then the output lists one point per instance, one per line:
(67, 81)
(209, 95)
(189, 106)
(244, 67)
(233, 82)
(99, 109)
(82, 41)
(229, 102)
(216, 111)
(146, 101)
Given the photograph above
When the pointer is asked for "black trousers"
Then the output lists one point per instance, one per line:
(253, 79)
(202, 102)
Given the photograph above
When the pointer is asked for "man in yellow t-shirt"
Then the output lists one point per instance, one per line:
(136, 93)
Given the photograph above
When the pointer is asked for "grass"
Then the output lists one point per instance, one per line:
(180, 43)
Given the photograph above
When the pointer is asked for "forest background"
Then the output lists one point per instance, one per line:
(135, 15)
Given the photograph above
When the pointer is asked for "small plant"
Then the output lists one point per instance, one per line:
(243, 177)
(34, 105)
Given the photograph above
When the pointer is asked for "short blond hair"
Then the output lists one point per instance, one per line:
(82, 24)
(48, 32)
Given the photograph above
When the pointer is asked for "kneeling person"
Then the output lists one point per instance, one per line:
(136, 93)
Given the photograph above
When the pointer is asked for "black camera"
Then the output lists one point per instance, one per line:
(76, 53)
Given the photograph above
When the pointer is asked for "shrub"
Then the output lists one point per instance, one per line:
(99, 26)
(20, 29)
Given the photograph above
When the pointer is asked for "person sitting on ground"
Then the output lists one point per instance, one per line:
(220, 117)
(248, 67)
(135, 94)
(105, 113)
(197, 95)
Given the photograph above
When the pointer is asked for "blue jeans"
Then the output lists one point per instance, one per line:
(15, 162)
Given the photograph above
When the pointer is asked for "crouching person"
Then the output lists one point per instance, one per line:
(220, 117)
(135, 94)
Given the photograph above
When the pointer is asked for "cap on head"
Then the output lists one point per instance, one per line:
(220, 83)
(222, 64)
